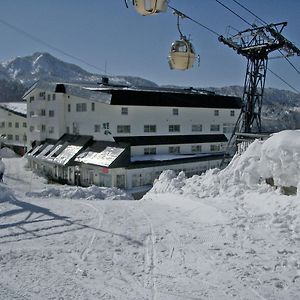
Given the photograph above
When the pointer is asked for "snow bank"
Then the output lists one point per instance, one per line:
(6, 195)
(89, 193)
(278, 158)
(7, 153)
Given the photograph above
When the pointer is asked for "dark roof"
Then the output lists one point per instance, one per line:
(172, 99)
(188, 159)
(171, 139)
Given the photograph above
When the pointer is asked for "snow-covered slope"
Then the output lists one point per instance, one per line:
(224, 235)
(40, 65)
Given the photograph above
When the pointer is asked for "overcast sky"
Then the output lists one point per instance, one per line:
(106, 34)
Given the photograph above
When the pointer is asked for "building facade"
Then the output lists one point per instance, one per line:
(13, 126)
(135, 133)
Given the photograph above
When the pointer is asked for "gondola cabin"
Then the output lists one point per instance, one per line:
(150, 7)
(182, 55)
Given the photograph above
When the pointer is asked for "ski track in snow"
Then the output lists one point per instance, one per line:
(163, 247)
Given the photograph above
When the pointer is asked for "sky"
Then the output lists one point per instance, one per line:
(116, 39)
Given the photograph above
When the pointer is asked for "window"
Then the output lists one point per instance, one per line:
(174, 128)
(150, 151)
(24, 125)
(31, 128)
(16, 137)
(175, 111)
(2, 125)
(124, 110)
(43, 112)
(67, 129)
(97, 128)
(215, 148)
(53, 97)
(42, 95)
(232, 113)
(69, 107)
(9, 137)
(43, 128)
(93, 106)
(48, 97)
(149, 128)
(228, 127)
(10, 124)
(174, 150)
(25, 138)
(51, 113)
(216, 112)
(123, 128)
(31, 99)
(51, 129)
(196, 148)
(214, 127)
(81, 107)
(17, 125)
(196, 127)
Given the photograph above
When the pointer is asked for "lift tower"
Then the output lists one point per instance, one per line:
(256, 44)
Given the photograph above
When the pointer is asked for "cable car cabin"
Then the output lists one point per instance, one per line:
(150, 7)
(182, 55)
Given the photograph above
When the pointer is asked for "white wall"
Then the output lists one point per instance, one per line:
(15, 134)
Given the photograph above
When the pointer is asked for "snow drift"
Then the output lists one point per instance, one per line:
(277, 158)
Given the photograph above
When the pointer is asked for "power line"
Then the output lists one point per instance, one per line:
(38, 40)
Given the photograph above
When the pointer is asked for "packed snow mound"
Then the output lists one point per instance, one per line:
(6, 195)
(89, 193)
(278, 158)
(7, 153)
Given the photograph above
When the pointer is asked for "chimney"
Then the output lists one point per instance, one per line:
(105, 81)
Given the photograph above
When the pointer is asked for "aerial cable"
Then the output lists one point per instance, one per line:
(265, 23)
(193, 20)
(38, 40)
(279, 77)
(249, 11)
(233, 12)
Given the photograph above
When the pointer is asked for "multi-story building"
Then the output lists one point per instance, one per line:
(13, 125)
(134, 133)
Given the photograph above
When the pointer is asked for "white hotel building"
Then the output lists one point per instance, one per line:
(125, 137)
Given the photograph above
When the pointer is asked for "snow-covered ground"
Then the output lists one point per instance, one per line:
(223, 235)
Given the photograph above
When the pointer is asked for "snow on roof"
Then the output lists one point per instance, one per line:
(53, 151)
(166, 157)
(67, 154)
(104, 158)
(72, 89)
(16, 107)
(34, 150)
(45, 150)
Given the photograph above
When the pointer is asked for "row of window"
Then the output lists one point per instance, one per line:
(175, 111)
(10, 124)
(42, 128)
(176, 149)
(10, 137)
(172, 128)
(43, 96)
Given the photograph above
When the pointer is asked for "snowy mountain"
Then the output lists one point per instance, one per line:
(29, 69)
